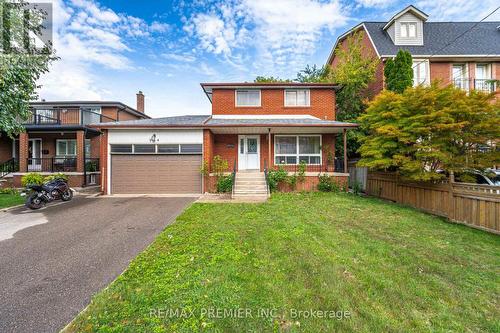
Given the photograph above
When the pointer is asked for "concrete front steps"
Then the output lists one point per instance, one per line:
(250, 186)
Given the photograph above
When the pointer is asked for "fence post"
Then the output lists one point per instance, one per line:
(451, 199)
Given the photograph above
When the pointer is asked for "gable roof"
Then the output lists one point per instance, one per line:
(483, 39)
(414, 10)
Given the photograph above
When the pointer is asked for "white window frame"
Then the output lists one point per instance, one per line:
(64, 155)
(308, 98)
(297, 154)
(464, 77)
(247, 106)
(406, 26)
(427, 71)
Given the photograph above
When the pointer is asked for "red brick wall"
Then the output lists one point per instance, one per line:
(104, 161)
(311, 184)
(226, 146)
(273, 102)
(5, 148)
(441, 71)
(369, 51)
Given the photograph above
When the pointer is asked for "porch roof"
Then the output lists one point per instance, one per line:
(235, 124)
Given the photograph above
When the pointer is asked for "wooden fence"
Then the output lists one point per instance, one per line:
(475, 205)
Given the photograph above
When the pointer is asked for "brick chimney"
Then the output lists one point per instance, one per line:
(140, 101)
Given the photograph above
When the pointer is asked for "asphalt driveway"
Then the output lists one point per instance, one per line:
(50, 269)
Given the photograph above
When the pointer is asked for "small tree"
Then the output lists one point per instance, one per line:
(270, 79)
(399, 72)
(426, 129)
(21, 63)
(354, 71)
(311, 74)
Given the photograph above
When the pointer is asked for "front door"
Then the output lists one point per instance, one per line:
(35, 155)
(249, 152)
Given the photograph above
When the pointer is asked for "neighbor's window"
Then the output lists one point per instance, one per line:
(297, 97)
(293, 149)
(90, 115)
(408, 29)
(247, 97)
(420, 74)
(66, 147)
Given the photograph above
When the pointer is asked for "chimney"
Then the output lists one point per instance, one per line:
(140, 101)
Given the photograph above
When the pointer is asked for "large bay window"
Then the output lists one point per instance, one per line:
(293, 149)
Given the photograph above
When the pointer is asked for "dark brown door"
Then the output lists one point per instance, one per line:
(155, 174)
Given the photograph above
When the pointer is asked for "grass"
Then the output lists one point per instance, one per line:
(377, 266)
(9, 200)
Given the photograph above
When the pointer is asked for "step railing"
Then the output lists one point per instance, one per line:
(233, 179)
(8, 167)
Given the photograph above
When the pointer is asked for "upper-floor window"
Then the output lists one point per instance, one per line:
(408, 29)
(420, 72)
(91, 115)
(248, 97)
(297, 97)
(483, 80)
(460, 76)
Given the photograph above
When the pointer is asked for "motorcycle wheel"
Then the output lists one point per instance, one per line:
(34, 202)
(67, 195)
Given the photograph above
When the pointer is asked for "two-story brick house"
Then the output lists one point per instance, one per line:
(465, 54)
(58, 138)
(253, 126)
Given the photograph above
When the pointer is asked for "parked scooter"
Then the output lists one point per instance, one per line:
(39, 195)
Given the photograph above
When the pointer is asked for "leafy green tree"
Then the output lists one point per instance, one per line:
(270, 79)
(311, 74)
(354, 71)
(425, 129)
(399, 72)
(21, 63)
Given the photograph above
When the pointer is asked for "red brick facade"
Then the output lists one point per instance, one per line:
(322, 104)
(439, 70)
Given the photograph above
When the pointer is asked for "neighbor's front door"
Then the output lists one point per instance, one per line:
(249, 152)
(35, 155)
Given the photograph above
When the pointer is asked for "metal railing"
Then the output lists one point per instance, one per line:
(52, 164)
(8, 166)
(233, 179)
(66, 117)
(485, 85)
(266, 175)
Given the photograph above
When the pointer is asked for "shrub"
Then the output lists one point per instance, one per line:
(8, 190)
(327, 184)
(219, 165)
(32, 178)
(224, 184)
(356, 187)
(275, 177)
(56, 176)
(204, 169)
(91, 166)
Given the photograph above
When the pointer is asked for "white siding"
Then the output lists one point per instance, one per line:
(392, 32)
(127, 136)
(408, 17)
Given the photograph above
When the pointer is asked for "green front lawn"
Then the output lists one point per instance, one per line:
(373, 266)
(8, 200)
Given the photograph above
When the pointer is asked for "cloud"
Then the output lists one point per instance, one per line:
(86, 37)
(179, 57)
(375, 3)
(282, 33)
(459, 10)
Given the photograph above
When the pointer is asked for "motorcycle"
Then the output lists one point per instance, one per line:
(39, 195)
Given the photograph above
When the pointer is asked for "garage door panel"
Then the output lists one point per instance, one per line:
(138, 174)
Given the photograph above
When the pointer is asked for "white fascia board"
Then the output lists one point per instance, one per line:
(344, 35)
(266, 116)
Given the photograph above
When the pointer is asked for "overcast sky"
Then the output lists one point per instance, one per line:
(111, 49)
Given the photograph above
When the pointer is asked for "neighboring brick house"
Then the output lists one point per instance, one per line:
(253, 126)
(465, 54)
(58, 138)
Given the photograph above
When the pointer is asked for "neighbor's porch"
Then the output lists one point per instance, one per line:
(263, 149)
(72, 152)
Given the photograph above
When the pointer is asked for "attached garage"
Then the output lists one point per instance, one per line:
(154, 161)
(155, 174)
